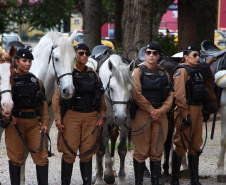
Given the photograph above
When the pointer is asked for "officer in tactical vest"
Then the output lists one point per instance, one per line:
(30, 108)
(190, 93)
(81, 114)
(154, 99)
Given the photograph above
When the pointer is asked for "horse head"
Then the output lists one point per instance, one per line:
(211, 105)
(117, 81)
(57, 54)
(7, 72)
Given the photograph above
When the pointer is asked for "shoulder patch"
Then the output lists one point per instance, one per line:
(177, 73)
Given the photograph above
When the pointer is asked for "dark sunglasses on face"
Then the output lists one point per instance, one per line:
(81, 53)
(195, 55)
(155, 53)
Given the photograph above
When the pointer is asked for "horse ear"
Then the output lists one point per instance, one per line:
(131, 66)
(12, 51)
(73, 35)
(111, 66)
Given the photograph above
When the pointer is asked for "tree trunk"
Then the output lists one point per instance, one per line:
(207, 19)
(187, 33)
(159, 8)
(118, 20)
(92, 23)
(137, 26)
(196, 22)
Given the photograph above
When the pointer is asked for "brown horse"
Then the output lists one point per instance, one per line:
(7, 72)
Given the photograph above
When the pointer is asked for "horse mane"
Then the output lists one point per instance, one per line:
(121, 74)
(54, 38)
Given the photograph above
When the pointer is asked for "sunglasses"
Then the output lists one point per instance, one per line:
(81, 53)
(155, 53)
(195, 55)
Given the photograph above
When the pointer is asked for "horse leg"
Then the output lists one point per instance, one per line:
(97, 179)
(122, 151)
(22, 171)
(109, 177)
(184, 163)
(1, 132)
(114, 136)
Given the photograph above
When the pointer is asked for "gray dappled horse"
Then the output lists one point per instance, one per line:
(117, 82)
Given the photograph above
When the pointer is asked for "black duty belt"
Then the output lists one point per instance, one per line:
(156, 104)
(26, 115)
(85, 110)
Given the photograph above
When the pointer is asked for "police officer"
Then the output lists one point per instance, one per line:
(154, 98)
(190, 92)
(30, 108)
(84, 111)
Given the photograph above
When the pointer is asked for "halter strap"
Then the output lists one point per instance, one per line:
(51, 56)
(5, 91)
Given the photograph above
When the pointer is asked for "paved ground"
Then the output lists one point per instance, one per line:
(208, 160)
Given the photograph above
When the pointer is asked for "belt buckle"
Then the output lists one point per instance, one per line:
(20, 113)
(34, 115)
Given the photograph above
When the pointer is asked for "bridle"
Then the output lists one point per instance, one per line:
(51, 56)
(2, 60)
(108, 95)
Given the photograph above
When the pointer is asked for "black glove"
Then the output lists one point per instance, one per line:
(186, 122)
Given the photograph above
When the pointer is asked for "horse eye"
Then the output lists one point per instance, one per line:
(111, 89)
(56, 59)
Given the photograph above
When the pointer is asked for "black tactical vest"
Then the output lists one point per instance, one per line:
(87, 97)
(25, 91)
(155, 86)
(196, 91)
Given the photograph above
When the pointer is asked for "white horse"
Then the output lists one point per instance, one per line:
(117, 82)
(53, 63)
(6, 75)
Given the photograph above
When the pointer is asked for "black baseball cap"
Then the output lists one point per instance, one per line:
(24, 53)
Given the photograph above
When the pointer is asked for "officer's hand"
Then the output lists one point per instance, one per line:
(45, 128)
(59, 125)
(156, 114)
(14, 121)
(100, 122)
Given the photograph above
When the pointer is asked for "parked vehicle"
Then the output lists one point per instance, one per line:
(4, 38)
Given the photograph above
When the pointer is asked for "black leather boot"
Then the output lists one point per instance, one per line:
(176, 163)
(155, 172)
(86, 172)
(194, 169)
(14, 172)
(66, 171)
(42, 174)
(138, 171)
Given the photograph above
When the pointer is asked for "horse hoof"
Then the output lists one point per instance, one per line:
(221, 178)
(109, 179)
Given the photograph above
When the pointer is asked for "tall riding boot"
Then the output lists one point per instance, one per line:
(176, 163)
(155, 172)
(42, 174)
(14, 172)
(86, 172)
(194, 169)
(66, 171)
(138, 171)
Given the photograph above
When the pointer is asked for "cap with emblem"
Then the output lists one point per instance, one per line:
(154, 46)
(190, 48)
(82, 46)
(24, 53)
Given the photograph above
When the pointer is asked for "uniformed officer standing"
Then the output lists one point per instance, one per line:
(80, 119)
(154, 98)
(190, 92)
(30, 107)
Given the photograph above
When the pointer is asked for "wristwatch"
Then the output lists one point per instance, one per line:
(104, 118)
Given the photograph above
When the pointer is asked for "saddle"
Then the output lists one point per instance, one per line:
(101, 53)
(209, 51)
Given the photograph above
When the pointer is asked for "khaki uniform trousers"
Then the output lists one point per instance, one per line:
(77, 132)
(32, 136)
(195, 131)
(150, 143)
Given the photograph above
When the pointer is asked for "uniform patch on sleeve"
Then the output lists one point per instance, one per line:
(177, 73)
